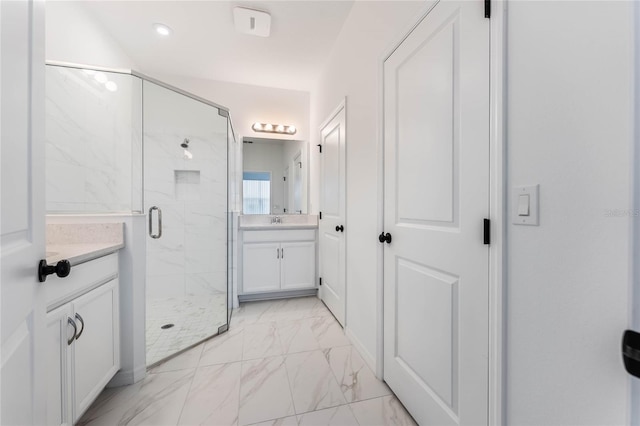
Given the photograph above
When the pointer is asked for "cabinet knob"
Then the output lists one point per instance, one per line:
(340, 228)
(61, 269)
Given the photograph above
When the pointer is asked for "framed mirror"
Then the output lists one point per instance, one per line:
(274, 176)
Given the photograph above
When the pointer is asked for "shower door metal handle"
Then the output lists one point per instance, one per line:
(151, 234)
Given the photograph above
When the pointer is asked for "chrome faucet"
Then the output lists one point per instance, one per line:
(276, 219)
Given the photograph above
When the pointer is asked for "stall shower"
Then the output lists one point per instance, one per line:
(123, 143)
(185, 195)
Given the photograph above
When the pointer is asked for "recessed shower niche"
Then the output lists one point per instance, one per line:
(187, 184)
(127, 144)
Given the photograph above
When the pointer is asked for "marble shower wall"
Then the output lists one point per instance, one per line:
(191, 256)
(93, 142)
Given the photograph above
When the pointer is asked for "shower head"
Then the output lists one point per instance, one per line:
(185, 144)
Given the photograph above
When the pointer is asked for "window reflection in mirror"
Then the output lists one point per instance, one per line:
(274, 177)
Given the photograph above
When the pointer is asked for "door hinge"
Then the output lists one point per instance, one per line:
(320, 147)
(487, 231)
(300, 164)
(320, 280)
(284, 178)
(320, 215)
(487, 9)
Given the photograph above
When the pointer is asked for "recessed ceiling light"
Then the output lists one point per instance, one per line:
(162, 29)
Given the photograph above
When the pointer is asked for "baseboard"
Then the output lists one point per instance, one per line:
(277, 295)
(128, 377)
(365, 354)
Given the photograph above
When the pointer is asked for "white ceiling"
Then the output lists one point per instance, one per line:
(205, 44)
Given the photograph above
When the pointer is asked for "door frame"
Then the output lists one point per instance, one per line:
(497, 203)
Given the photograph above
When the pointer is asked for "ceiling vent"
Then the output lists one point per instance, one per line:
(254, 22)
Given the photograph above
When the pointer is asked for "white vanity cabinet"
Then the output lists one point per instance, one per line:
(278, 260)
(83, 336)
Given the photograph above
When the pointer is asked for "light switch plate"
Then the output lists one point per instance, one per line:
(532, 218)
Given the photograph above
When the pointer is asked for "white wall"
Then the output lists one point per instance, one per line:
(569, 128)
(249, 104)
(353, 71)
(73, 35)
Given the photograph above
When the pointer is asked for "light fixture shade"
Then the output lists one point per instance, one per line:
(274, 128)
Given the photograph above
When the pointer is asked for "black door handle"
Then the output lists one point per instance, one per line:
(340, 228)
(384, 237)
(631, 352)
(61, 269)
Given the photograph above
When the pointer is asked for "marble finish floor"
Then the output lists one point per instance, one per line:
(194, 319)
(284, 362)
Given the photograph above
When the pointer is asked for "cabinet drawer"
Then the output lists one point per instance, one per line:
(279, 235)
(83, 278)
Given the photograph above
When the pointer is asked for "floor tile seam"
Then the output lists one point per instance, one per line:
(184, 403)
(347, 404)
(293, 403)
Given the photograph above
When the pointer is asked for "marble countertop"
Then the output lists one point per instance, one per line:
(79, 243)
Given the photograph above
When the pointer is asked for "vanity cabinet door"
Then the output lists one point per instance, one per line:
(59, 332)
(96, 348)
(298, 265)
(260, 267)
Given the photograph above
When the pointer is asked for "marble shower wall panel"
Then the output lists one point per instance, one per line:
(93, 138)
(192, 194)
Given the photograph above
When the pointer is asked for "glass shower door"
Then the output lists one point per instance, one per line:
(185, 198)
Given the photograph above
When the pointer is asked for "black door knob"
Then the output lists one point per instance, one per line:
(340, 228)
(61, 269)
(384, 237)
(631, 352)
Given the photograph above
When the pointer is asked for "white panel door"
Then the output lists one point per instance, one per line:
(436, 138)
(333, 206)
(23, 332)
(260, 267)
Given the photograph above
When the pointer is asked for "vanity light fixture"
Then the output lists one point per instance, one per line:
(162, 29)
(274, 128)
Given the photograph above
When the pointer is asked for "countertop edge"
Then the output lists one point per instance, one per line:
(84, 256)
(274, 227)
